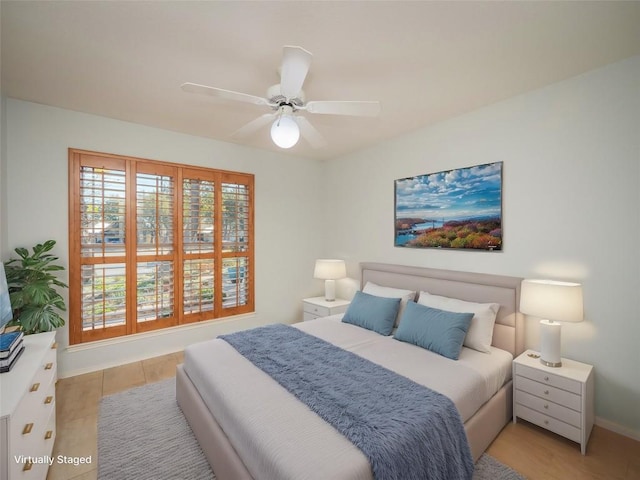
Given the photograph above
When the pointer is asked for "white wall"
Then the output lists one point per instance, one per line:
(571, 210)
(3, 176)
(288, 210)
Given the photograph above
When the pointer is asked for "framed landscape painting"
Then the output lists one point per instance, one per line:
(456, 209)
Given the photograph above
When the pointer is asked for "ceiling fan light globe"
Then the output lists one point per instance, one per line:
(285, 132)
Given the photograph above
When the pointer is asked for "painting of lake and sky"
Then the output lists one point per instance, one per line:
(459, 209)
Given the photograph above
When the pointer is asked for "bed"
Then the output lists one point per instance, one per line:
(258, 439)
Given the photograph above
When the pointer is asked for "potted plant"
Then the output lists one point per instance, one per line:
(31, 280)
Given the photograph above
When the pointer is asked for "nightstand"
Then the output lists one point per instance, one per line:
(558, 399)
(318, 307)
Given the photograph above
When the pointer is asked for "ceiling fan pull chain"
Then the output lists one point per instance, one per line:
(280, 112)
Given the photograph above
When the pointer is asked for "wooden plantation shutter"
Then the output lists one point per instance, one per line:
(236, 245)
(199, 244)
(99, 264)
(154, 245)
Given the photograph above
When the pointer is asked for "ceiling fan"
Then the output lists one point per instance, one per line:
(285, 100)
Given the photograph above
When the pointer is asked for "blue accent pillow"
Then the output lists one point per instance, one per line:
(372, 312)
(437, 330)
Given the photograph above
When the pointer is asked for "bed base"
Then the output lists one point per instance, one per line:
(481, 429)
(212, 439)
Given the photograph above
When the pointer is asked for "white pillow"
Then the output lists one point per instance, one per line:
(480, 333)
(388, 292)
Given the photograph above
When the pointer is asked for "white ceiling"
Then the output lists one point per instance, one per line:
(424, 61)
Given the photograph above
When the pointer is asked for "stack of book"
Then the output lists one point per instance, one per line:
(11, 348)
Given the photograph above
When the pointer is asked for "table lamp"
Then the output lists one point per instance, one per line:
(552, 301)
(330, 270)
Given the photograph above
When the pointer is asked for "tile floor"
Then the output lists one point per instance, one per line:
(77, 403)
(533, 451)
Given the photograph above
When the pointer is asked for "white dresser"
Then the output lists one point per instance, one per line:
(28, 410)
(558, 399)
(318, 307)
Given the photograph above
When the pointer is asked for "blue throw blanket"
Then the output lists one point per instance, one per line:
(406, 431)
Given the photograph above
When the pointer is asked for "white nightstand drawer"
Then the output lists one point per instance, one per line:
(317, 310)
(550, 423)
(549, 379)
(319, 307)
(309, 316)
(553, 394)
(547, 407)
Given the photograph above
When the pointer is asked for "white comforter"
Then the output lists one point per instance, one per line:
(279, 438)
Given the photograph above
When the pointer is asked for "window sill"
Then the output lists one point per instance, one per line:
(155, 333)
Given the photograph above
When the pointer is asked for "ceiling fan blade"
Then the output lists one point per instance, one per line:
(295, 65)
(222, 93)
(310, 133)
(253, 126)
(358, 109)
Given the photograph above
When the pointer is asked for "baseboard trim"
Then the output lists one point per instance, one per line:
(86, 358)
(617, 428)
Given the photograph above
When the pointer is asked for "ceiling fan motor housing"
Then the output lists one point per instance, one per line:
(275, 97)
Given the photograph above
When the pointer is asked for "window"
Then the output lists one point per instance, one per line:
(155, 245)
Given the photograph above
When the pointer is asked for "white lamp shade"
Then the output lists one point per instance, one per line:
(329, 269)
(285, 132)
(552, 300)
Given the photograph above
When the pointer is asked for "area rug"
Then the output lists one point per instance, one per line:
(142, 434)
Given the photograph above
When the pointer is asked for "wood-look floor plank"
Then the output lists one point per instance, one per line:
(539, 454)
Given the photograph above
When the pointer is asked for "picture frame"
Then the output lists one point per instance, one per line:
(459, 209)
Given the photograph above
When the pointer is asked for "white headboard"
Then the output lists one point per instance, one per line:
(508, 333)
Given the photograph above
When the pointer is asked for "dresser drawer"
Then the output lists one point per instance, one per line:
(31, 420)
(549, 379)
(548, 422)
(28, 410)
(48, 367)
(547, 407)
(49, 433)
(547, 392)
(26, 471)
(316, 310)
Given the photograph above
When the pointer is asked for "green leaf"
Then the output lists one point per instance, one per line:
(31, 288)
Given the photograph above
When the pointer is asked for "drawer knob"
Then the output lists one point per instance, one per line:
(546, 379)
(546, 406)
(48, 435)
(546, 392)
(48, 400)
(34, 387)
(27, 429)
(27, 466)
(48, 366)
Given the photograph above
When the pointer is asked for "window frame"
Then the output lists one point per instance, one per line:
(178, 256)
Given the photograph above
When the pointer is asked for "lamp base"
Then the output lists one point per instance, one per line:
(550, 343)
(550, 364)
(330, 290)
